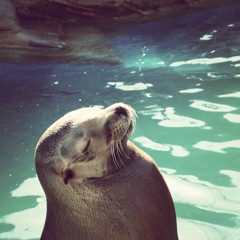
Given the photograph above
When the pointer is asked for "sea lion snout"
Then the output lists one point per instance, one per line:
(119, 118)
(121, 109)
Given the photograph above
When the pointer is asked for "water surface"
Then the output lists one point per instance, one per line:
(182, 75)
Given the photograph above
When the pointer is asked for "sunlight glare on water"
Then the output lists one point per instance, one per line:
(182, 77)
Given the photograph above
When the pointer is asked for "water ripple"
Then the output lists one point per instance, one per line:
(170, 119)
(217, 147)
(191, 90)
(205, 231)
(211, 107)
(134, 87)
(175, 150)
(230, 95)
(204, 195)
(206, 61)
(234, 118)
(24, 226)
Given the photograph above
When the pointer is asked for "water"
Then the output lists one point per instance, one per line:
(182, 75)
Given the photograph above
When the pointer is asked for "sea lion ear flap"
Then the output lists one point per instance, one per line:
(67, 175)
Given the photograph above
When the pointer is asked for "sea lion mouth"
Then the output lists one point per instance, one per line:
(67, 175)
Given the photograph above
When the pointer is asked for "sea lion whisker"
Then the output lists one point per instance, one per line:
(114, 157)
(124, 165)
(122, 150)
(112, 154)
(119, 153)
(118, 160)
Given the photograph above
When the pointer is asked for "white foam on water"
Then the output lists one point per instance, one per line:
(152, 110)
(196, 230)
(29, 187)
(178, 151)
(214, 75)
(204, 195)
(170, 119)
(217, 147)
(234, 118)
(235, 178)
(191, 90)
(211, 107)
(230, 95)
(190, 190)
(175, 121)
(205, 61)
(27, 223)
(147, 143)
(130, 87)
(206, 37)
(175, 150)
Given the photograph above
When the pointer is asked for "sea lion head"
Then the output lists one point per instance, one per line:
(84, 142)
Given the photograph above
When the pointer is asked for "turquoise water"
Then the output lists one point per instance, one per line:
(182, 75)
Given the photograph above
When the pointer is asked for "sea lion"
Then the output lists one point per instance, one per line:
(98, 184)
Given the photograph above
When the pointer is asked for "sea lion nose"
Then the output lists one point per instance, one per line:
(121, 111)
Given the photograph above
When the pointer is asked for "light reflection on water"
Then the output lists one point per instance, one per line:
(127, 87)
(183, 81)
(170, 119)
(206, 61)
